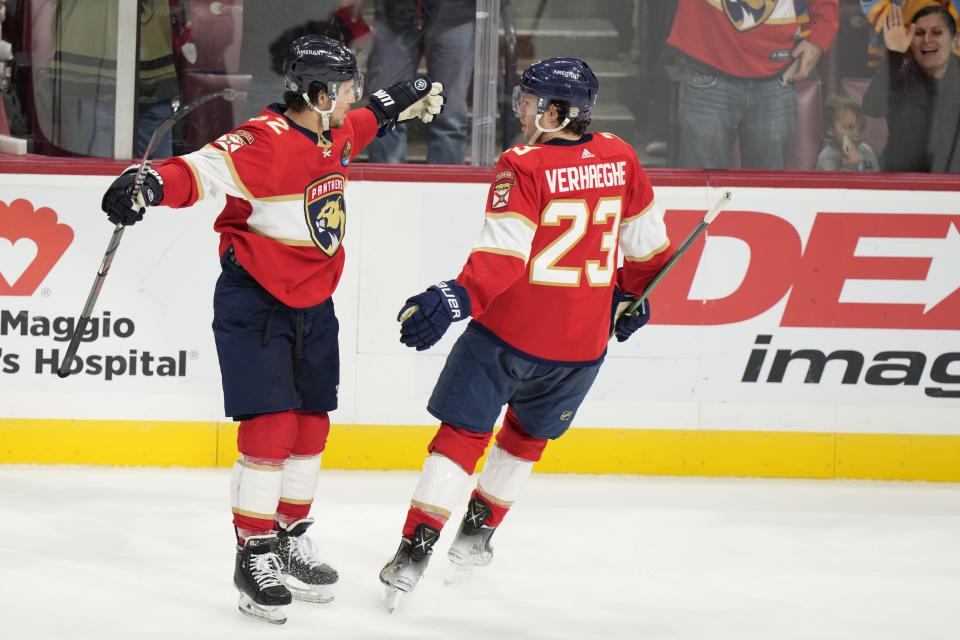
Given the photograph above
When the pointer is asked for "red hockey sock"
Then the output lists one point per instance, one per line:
(462, 446)
(417, 516)
(497, 511)
(288, 512)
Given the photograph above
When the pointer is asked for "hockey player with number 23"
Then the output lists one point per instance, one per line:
(283, 174)
(542, 287)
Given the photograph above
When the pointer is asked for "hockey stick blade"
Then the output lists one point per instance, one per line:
(165, 126)
(682, 249)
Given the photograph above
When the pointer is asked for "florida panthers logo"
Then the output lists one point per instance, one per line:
(747, 14)
(326, 212)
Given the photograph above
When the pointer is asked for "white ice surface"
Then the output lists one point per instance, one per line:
(102, 553)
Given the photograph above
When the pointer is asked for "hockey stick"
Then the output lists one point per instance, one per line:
(682, 249)
(162, 129)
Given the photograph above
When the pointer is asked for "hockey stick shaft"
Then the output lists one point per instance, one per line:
(64, 369)
(162, 129)
(682, 249)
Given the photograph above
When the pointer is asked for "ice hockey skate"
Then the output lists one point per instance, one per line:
(307, 578)
(402, 574)
(257, 576)
(471, 548)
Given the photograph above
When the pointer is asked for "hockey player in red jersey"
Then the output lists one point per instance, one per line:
(284, 174)
(541, 285)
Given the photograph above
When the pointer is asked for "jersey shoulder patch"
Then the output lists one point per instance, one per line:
(234, 140)
(502, 183)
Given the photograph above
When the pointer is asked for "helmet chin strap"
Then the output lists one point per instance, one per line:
(324, 115)
(536, 123)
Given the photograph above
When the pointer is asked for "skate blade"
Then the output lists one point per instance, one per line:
(318, 594)
(273, 615)
(457, 573)
(392, 597)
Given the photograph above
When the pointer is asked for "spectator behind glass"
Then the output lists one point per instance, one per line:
(876, 13)
(917, 89)
(741, 60)
(404, 31)
(82, 93)
(845, 149)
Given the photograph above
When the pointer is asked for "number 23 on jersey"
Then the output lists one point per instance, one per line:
(581, 238)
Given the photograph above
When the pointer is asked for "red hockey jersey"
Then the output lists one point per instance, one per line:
(541, 275)
(285, 214)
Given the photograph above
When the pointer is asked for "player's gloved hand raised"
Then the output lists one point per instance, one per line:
(626, 324)
(417, 98)
(120, 207)
(427, 316)
(426, 107)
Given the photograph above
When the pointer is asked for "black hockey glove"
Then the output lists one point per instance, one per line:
(120, 207)
(417, 98)
(624, 325)
(427, 316)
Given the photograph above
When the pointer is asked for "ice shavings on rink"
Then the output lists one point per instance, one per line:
(94, 552)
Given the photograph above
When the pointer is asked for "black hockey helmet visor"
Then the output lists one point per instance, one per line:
(566, 80)
(320, 59)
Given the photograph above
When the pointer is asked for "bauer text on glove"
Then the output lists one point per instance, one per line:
(123, 208)
(426, 316)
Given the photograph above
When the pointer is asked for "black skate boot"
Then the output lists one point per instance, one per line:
(257, 576)
(307, 578)
(402, 574)
(471, 548)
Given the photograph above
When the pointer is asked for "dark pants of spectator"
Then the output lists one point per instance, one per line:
(449, 56)
(716, 110)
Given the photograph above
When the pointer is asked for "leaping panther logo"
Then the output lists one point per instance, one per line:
(326, 213)
(747, 14)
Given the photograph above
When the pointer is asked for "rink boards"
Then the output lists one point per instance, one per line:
(813, 332)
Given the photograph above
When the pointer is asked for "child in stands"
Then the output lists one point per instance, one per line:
(845, 149)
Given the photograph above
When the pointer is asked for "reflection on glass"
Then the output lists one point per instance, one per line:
(75, 90)
(715, 84)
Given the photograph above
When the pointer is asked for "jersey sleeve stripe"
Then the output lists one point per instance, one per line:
(513, 216)
(287, 241)
(630, 219)
(216, 172)
(196, 177)
(644, 236)
(238, 183)
(508, 234)
(293, 196)
(500, 252)
(650, 255)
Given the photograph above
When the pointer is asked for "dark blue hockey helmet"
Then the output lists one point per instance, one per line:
(316, 58)
(565, 80)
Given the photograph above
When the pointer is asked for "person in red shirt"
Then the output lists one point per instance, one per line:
(740, 60)
(283, 174)
(540, 285)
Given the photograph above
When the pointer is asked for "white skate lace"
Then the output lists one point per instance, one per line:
(303, 549)
(266, 568)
